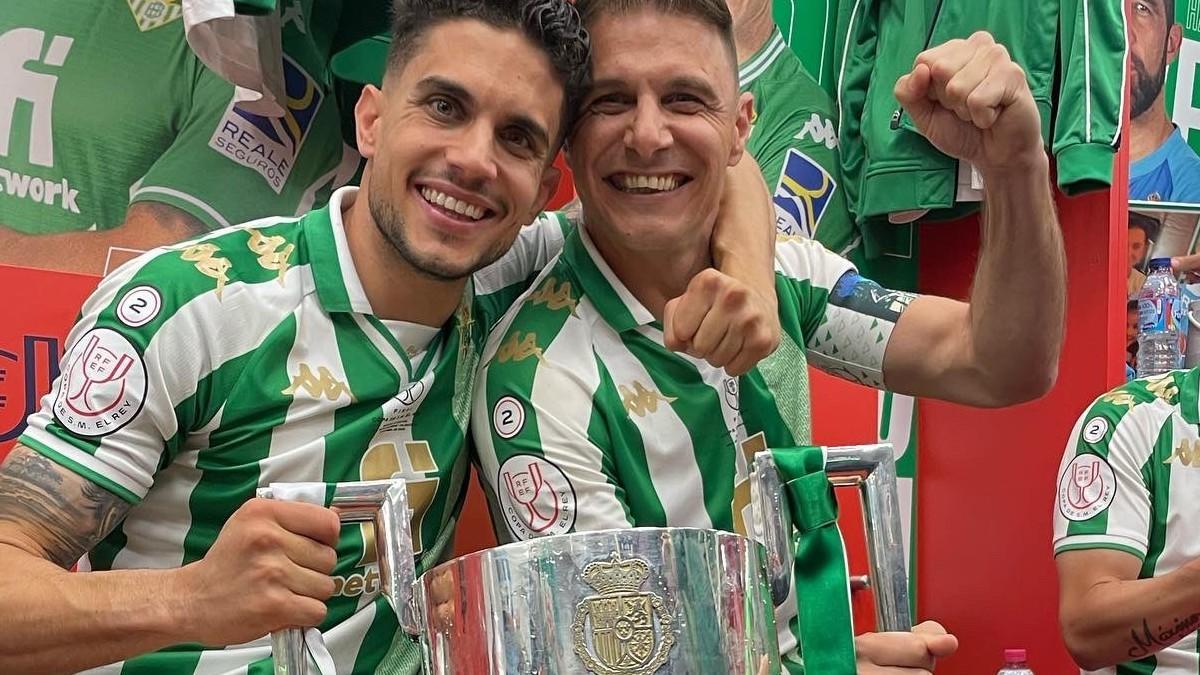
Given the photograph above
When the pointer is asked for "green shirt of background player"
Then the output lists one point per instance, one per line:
(459, 149)
(112, 134)
(580, 394)
(793, 137)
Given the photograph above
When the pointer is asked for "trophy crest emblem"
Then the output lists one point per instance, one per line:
(622, 630)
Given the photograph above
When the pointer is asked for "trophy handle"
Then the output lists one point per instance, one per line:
(871, 468)
(382, 502)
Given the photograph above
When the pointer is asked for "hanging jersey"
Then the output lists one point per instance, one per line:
(794, 141)
(1127, 483)
(203, 371)
(103, 105)
(1169, 174)
(891, 168)
(584, 420)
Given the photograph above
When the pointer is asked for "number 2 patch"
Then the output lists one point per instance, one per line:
(139, 306)
(508, 417)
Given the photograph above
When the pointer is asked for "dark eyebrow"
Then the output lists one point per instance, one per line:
(437, 84)
(695, 85)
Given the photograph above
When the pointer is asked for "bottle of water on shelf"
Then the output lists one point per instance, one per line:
(1014, 663)
(1158, 321)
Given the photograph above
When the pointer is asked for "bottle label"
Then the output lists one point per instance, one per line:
(1157, 315)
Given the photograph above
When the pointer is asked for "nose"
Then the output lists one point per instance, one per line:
(647, 132)
(471, 155)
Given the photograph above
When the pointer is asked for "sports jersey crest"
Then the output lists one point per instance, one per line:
(151, 14)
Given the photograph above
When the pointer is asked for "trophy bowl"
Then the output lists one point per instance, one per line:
(612, 602)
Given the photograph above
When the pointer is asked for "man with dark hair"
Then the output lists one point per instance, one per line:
(580, 390)
(1143, 233)
(1163, 167)
(335, 347)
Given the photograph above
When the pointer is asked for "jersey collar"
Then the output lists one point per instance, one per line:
(338, 285)
(600, 284)
(756, 65)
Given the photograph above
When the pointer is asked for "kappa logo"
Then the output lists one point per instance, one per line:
(1086, 488)
(209, 263)
(1188, 453)
(802, 195)
(820, 130)
(151, 14)
(555, 296)
(536, 497)
(273, 251)
(104, 385)
(270, 145)
(323, 383)
(518, 348)
(639, 400)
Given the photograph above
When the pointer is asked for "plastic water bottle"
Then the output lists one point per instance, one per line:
(1158, 321)
(1014, 663)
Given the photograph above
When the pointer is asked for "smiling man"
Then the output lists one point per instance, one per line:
(584, 409)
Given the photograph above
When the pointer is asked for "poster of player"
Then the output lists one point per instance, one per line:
(1164, 114)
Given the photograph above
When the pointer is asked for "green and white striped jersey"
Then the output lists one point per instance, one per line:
(1127, 482)
(202, 371)
(583, 420)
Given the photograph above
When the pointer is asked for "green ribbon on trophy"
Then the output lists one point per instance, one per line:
(820, 572)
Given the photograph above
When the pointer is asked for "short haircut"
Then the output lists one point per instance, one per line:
(714, 13)
(1148, 224)
(553, 25)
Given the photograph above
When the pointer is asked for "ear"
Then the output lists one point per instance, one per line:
(367, 114)
(741, 127)
(1174, 39)
(550, 178)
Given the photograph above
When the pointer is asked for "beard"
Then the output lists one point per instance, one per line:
(1146, 86)
(390, 223)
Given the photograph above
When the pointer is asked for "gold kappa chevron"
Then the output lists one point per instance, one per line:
(518, 349)
(555, 296)
(321, 384)
(207, 262)
(1163, 386)
(1119, 398)
(270, 256)
(641, 400)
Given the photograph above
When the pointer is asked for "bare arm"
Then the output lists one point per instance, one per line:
(1109, 616)
(1003, 347)
(973, 103)
(49, 517)
(147, 225)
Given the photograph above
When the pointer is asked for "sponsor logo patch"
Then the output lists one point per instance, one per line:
(1086, 488)
(270, 145)
(536, 497)
(802, 194)
(139, 306)
(103, 386)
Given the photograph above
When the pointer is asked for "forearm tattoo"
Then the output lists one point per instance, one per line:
(61, 511)
(1147, 641)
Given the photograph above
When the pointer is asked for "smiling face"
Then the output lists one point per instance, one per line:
(459, 144)
(660, 125)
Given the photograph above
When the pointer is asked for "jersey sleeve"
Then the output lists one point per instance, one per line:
(1104, 489)
(227, 165)
(1087, 127)
(845, 320)
(797, 151)
(498, 285)
(128, 389)
(543, 449)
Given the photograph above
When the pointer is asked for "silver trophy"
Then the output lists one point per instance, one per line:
(633, 601)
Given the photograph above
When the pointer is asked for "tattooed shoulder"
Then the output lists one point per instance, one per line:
(62, 512)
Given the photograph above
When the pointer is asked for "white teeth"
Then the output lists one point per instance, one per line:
(655, 183)
(451, 204)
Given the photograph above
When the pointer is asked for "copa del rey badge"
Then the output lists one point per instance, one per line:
(1086, 488)
(103, 384)
(536, 497)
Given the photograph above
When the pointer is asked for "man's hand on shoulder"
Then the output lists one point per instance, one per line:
(914, 652)
(972, 101)
(721, 320)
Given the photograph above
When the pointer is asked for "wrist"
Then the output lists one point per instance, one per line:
(181, 602)
(1032, 168)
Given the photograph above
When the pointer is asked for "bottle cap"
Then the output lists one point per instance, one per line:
(1015, 655)
(1160, 263)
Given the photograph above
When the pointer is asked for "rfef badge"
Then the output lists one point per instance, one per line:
(802, 195)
